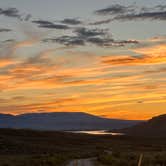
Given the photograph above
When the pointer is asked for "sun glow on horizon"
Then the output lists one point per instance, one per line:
(93, 65)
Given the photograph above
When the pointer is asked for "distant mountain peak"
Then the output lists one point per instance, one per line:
(62, 121)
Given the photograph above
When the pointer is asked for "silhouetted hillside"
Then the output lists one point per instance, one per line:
(155, 127)
(62, 121)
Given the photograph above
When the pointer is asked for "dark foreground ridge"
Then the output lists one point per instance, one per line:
(21, 141)
(155, 127)
(59, 121)
(20, 147)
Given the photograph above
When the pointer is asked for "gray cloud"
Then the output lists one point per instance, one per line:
(49, 25)
(106, 21)
(129, 13)
(15, 13)
(100, 41)
(71, 21)
(10, 12)
(8, 41)
(86, 33)
(83, 36)
(115, 9)
(79, 41)
(5, 30)
(67, 40)
(27, 17)
(143, 16)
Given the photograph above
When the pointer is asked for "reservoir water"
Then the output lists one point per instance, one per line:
(96, 132)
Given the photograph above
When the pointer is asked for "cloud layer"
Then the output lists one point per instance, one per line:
(119, 12)
(49, 25)
(74, 64)
(84, 36)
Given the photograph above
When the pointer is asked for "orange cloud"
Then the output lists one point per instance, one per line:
(148, 55)
(128, 60)
(6, 62)
(110, 85)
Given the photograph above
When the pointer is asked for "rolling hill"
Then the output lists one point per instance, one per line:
(62, 121)
(155, 127)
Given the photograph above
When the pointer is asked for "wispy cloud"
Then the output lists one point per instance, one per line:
(10, 12)
(50, 25)
(98, 76)
(71, 21)
(147, 55)
(15, 13)
(84, 36)
(131, 13)
(143, 16)
(116, 9)
(5, 30)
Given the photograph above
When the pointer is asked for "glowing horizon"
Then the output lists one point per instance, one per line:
(97, 61)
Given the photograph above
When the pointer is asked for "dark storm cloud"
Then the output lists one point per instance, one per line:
(84, 36)
(49, 25)
(5, 30)
(129, 13)
(71, 21)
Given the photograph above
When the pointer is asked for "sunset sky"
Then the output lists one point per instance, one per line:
(104, 57)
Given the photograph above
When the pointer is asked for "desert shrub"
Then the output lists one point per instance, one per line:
(118, 159)
(154, 159)
(40, 160)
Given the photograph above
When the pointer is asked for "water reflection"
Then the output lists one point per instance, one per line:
(96, 132)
